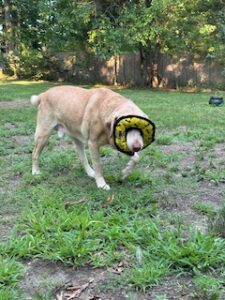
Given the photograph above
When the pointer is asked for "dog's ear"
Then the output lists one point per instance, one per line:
(110, 125)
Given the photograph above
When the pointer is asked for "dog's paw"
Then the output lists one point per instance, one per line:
(36, 171)
(106, 187)
(101, 184)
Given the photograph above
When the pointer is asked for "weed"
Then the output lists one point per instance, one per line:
(7, 293)
(204, 209)
(216, 175)
(207, 287)
(217, 222)
(176, 219)
(149, 274)
(161, 297)
(164, 140)
(10, 273)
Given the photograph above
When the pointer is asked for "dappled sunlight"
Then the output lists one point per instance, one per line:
(9, 81)
(22, 89)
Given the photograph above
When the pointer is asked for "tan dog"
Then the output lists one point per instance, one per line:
(88, 116)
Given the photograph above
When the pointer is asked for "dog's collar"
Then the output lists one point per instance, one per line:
(124, 124)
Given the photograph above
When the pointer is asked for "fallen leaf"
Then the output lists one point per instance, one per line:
(109, 200)
(118, 270)
(70, 292)
(82, 200)
(67, 204)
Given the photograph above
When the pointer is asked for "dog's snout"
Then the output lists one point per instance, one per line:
(136, 148)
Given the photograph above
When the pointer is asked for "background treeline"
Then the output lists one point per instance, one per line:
(34, 32)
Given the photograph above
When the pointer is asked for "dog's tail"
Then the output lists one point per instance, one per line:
(35, 100)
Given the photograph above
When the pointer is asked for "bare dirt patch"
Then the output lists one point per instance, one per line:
(181, 200)
(44, 277)
(8, 219)
(15, 104)
(94, 284)
(22, 140)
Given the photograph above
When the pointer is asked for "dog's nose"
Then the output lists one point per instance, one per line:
(136, 148)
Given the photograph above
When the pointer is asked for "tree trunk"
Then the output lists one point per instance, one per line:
(9, 36)
(98, 8)
(156, 79)
(142, 66)
(9, 45)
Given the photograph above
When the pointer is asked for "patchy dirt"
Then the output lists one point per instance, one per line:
(93, 284)
(22, 140)
(182, 199)
(8, 219)
(15, 104)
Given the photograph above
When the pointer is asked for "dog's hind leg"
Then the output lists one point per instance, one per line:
(40, 141)
(45, 125)
(83, 158)
(130, 166)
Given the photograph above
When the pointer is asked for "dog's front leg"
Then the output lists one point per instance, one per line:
(100, 181)
(131, 164)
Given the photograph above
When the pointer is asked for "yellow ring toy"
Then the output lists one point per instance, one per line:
(125, 124)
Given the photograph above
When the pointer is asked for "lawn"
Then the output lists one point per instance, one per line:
(157, 235)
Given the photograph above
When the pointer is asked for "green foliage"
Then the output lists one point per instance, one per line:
(40, 28)
(7, 293)
(65, 24)
(207, 287)
(78, 235)
(170, 24)
(149, 274)
(161, 297)
(204, 208)
(133, 27)
(217, 222)
(164, 139)
(10, 273)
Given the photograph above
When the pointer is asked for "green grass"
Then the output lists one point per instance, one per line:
(217, 221)
(10, 272)
(62, 216)
(207, 287)
(204, 209)
(13, 90)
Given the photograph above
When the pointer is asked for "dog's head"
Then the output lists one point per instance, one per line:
(131, 133)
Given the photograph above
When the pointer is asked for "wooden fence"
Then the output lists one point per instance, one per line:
(129, 70)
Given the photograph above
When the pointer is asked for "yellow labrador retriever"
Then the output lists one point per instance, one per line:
(93, 117)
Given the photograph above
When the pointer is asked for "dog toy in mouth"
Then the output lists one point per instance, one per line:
(127, 123)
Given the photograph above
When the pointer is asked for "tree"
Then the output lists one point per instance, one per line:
(173, 26)
(18, 29)
(34, 29)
